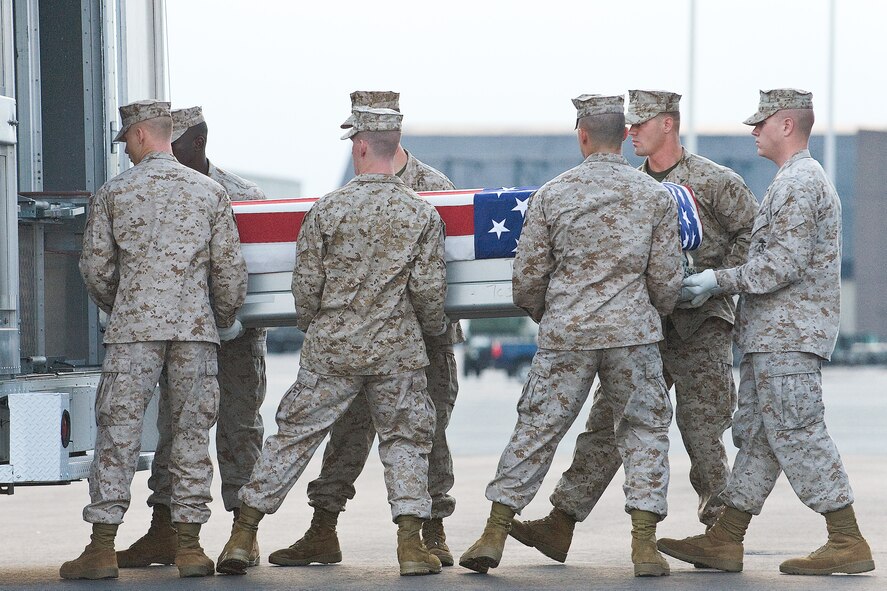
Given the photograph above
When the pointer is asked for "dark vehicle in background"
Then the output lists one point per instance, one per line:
(500, 343)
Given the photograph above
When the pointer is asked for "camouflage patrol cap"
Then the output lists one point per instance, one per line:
(140, 111)
(185, 119)
(370, 119)
(643, 105)
(377, 99)
(597, 104)
(778, 99)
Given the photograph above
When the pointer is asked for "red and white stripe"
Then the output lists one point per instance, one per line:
(268, 229)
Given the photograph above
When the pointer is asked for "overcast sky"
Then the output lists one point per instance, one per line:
(273, 77)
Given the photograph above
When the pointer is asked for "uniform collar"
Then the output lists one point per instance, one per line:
(377, 178)
(606, 157)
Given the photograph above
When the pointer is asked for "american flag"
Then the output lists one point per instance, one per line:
(480, 224)
(688, 215)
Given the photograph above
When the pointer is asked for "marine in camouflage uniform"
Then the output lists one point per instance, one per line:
(697, 352)
(379, 274)
(351, 437)
(161, 256)
(789, 313)
(241, 377)
(598, 262)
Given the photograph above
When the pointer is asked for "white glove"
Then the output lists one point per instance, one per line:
(701, 283)
(686, 295)
(232, 332)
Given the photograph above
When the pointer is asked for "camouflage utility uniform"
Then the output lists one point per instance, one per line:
(598, 262)
(160, 246)
(366, 287)
(789, 312)
(242, 386)
(351, 437)
(697, 356)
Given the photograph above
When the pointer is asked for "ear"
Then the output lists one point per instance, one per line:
(788, 126)
(667, 124)
(199, 143)
(582, 135)
(624, 133)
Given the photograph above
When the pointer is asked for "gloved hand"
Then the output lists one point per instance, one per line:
(232, 332)
(702, 286)
(686, 295)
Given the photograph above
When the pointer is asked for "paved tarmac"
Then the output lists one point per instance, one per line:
(42, 526)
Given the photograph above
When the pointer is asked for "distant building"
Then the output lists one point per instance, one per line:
(526, 160)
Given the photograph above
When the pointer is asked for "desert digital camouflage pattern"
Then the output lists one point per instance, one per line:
(704, 407)
(159, 244)
(402, 414)
(351, 437)
(129, 375)
(777, 99)
(780, 427)
(370, 279)
(791, 285)
(598, 261)
(242, 382)
(789, 312)
(636, 408)
(599, 257)
(366, 287)
(697, 352)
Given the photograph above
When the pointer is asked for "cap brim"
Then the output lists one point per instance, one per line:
(635, 119)
(758, 117)
(348, 122)
(349, 134)
(120, 134)
(177, 134)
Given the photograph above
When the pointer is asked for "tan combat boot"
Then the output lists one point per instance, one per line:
(98, 560)
(158, 546)
(254, 556)
(435, 540)
(413, 556)
(486, 553)
(190, 558)
(720, 547)
(648, 562)
(319, 544)
(551, 535)
(846, 551)
(235, 555)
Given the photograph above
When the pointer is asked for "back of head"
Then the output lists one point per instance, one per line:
(602, 119)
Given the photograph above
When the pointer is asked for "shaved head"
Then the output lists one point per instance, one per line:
(159, 127)
(605, 131)
(382, 144)
(803, 119)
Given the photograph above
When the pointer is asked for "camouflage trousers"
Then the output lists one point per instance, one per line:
(401, 412)
(239, 431)
(351, 438)
(129, 375)
(780, 427)
(636, 402)
(702, 373)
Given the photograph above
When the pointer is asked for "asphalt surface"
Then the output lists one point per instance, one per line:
(42, 526)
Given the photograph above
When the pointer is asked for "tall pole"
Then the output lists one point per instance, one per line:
(830, 151)
(690, 130)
